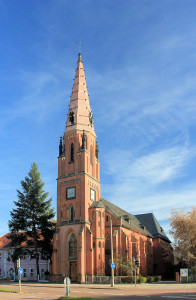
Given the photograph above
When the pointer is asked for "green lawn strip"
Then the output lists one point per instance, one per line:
(79, 298)
(9, 290)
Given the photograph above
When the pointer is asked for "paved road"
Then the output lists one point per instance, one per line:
(119, 292)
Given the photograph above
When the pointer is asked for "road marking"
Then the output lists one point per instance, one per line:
(113, 294)
(41, 293)
(177, 297)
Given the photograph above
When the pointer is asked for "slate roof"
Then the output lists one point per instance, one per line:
(128, 220)
(152, 225)
(146, 224)
(97, 204)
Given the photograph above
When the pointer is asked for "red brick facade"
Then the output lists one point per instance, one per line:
(82, 238)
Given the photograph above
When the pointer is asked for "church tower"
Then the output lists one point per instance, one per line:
(78, 186)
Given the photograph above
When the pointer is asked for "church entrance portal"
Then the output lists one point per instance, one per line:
(73, 272)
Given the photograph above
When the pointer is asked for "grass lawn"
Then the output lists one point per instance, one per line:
(8, 290)
(79, 298)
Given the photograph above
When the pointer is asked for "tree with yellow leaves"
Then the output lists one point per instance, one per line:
(183, 230)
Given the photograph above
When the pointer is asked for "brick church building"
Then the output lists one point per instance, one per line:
(82, 242)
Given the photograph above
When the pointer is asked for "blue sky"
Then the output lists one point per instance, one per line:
(140, 64)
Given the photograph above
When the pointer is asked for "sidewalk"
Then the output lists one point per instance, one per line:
(157, 285)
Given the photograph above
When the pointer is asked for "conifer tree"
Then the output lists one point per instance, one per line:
(32, 225)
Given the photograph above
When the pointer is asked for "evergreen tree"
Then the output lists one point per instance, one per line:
(32, 225)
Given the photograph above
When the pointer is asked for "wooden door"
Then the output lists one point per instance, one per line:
(73, 271)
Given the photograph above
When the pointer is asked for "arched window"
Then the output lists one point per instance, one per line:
(72, 213)
(73, 246)
(72, 153)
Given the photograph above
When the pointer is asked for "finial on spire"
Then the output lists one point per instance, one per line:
(79, 57)
(79, 54)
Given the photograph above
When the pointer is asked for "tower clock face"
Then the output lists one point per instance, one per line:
(93, 197)
(71, 193)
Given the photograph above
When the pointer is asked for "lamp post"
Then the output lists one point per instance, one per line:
(112, 259)
(131, 252)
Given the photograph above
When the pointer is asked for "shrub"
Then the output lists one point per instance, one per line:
(127, 279)
(143, 279)
(130, 279)
(150, 279)
(158, 278)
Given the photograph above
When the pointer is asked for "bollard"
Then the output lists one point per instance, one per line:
(177, 277)
(67, 286)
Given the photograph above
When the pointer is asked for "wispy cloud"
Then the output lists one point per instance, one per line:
(42, 94)
(137, 182)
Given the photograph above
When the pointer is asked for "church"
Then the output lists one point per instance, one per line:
(88, 225)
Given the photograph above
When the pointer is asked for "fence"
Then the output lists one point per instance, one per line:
(56, 278)
(107, 279)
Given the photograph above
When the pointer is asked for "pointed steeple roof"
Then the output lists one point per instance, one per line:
(80, 115)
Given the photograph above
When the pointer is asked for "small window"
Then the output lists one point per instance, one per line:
(32, 273)
(0, 256)
(99, 244)
(72, 153)
(24, 273)
(42, 273)
(71, 117)
(93, 244)
(93, 195)
(106, 218)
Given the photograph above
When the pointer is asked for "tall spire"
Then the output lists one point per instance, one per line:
(80, 115)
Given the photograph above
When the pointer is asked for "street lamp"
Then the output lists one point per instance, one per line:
(131, 252)
(112, 258)
(132, 261)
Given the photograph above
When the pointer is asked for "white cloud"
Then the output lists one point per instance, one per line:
(137, 182)
(151, 168)
(161, 166)
(42, 94)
